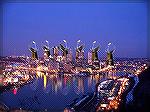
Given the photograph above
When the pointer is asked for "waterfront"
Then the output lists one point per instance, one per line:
(40, 85)
(52, 92)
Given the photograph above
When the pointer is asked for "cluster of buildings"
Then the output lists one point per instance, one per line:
(62, 56)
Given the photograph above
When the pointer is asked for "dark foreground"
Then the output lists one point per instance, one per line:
(141, 94)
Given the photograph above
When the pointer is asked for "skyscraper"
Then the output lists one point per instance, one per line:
(95, 60)
(110, 60)
(55, 52)
(34, 54)
(90, 57)
(79, 56)
(46, 51)
(64, 51)
(110, 49)
(69, 55)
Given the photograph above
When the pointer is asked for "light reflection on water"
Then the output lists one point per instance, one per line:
(50, 91)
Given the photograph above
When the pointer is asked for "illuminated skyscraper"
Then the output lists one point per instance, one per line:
(90, 57)
(64, 51)
(55, 52)
(79, 56)
(69, 55)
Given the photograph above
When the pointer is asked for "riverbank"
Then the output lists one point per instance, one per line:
(18, 84)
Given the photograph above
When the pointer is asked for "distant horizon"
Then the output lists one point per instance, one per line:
(123, 24)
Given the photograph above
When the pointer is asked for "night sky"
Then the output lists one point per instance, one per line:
(123, 24)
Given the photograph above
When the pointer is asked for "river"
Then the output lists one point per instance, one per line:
(50, 92)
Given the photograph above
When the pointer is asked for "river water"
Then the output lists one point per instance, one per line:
(51, 92)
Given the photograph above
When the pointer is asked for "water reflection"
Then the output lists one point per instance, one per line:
(66, 83)
(78, 86)
(45, 81)
(53, 83)
(47, 89)
(52, 91)
(34, 85)
(15, 91)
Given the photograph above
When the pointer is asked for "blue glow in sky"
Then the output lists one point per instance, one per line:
(123, 24)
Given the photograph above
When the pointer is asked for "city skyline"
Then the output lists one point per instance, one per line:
(123, 24)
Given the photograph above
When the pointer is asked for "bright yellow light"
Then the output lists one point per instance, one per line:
(45, 81)
(38, 73)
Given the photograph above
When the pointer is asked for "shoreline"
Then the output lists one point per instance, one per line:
(17, 85)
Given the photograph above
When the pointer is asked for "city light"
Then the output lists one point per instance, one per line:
(64, 72)
(45, 81)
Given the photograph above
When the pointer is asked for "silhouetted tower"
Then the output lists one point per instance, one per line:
(95, 60)
(34, 53)
(110, 60)
(33, 50)
(95, 54)
(46, 49)
(110, 49)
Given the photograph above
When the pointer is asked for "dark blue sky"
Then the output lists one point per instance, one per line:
(124, 24)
